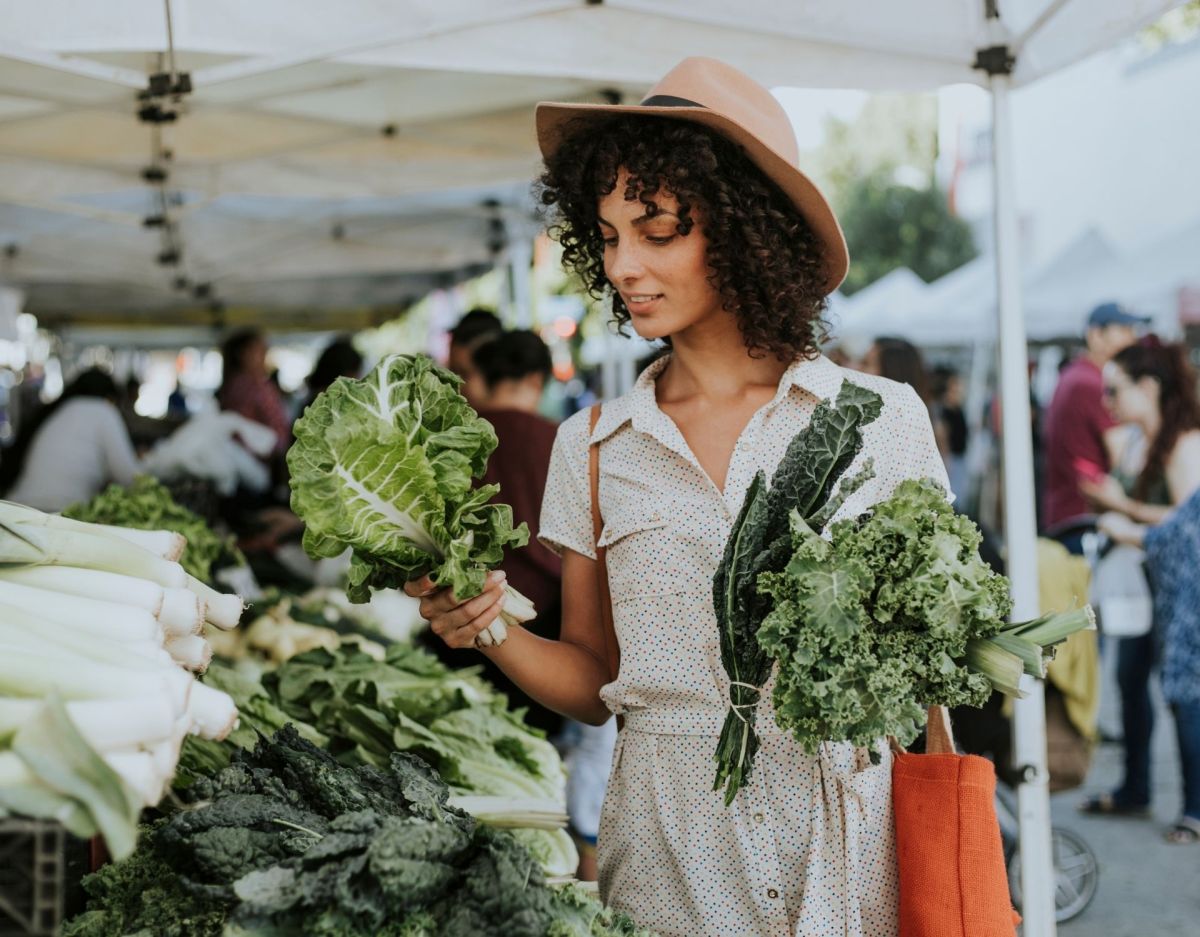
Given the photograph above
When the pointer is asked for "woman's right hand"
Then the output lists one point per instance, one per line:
(456, 622)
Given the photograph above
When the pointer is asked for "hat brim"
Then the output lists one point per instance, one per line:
(556, 122)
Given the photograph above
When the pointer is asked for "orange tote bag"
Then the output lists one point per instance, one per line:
(951, 860)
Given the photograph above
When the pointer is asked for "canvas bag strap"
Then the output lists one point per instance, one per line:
(606, 613)
(939, 737)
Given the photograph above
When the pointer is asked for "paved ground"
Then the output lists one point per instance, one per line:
(1148, 887)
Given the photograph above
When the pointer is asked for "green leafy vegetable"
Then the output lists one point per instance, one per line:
(893, 613)
(760, 542)
(385, 466)
(148, 505)
(287, 841)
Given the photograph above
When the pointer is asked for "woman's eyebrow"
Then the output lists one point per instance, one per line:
(641, 220)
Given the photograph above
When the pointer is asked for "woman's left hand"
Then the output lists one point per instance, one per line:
(1105, 492)
(1121, 529)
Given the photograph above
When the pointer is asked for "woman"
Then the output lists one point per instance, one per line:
(71, 449)
(689, 211)
(247, 388)
(1172, 554)
(1151, 388)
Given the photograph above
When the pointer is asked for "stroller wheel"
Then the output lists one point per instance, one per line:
(1076, 874)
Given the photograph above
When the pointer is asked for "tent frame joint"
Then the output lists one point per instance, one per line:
(995, 60)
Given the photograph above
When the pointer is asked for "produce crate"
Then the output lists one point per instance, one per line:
(32, 877)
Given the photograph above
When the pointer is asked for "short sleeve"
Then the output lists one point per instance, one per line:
(924, 460)
(566, 520)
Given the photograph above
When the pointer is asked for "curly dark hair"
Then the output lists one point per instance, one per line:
(765, 261)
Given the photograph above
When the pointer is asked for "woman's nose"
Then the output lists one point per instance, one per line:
(625, 263)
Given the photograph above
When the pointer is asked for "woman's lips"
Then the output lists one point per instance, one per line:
(642, 303)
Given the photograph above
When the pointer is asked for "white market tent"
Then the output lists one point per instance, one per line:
(959, 308)
(292, 98)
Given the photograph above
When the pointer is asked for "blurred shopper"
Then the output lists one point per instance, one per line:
(900, 360)
(339, 359)
(1151, 388)
(1076, 424)
(1172, 556)
(473, 330)
(514, 369)
(246, 385)
(951, 424)
(69, 450)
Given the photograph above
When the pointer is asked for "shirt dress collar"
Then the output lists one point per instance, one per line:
(817, 376)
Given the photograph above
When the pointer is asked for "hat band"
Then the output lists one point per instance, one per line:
(668, 100)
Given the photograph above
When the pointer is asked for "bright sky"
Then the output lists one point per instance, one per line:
(808, 108)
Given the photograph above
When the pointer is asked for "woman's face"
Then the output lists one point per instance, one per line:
(254, 357)
(661, 275)
(1128, 400)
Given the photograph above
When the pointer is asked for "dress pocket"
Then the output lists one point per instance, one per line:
(643, 557)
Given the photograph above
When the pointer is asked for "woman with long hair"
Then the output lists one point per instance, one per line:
(246, 385)
(1151, 388)
(690, 214)
(70, 449)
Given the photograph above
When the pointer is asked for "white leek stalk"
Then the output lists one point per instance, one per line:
(213, 714)
(90, 583)
(164, 544)
(108, 725)
(120, 623)
(49, 545)
(140, 771)
(35, 672)
(222, 609)
(182, 612)
(190, 651)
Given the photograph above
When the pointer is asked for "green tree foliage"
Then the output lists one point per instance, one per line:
(889, 225)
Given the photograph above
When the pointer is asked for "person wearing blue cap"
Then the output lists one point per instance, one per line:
(1077, 423)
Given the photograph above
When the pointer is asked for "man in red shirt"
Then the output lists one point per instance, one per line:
(1076, 423)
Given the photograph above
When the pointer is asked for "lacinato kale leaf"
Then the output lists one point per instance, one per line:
(760, 542)
(288, 841)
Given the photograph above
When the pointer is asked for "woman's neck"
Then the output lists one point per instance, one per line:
(514, 396)
(1150, 426)
(715, 365)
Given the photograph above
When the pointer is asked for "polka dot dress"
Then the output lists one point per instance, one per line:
(807, 847)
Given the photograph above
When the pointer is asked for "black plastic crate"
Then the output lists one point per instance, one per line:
(33, 860)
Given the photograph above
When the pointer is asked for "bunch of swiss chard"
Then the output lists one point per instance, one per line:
(385, 466)
(871, 619)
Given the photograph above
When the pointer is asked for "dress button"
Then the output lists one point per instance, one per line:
(772, 893)
(759, 818)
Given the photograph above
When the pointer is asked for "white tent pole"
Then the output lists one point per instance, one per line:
(520, 260)
(1029, 722)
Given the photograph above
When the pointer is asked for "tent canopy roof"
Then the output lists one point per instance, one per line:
(366, 113)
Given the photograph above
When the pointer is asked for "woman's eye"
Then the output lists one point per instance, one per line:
(609, 242)
(661, 239)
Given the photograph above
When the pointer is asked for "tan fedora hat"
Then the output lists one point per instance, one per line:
(718, 96)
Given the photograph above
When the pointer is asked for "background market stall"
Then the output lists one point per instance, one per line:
(255, 105)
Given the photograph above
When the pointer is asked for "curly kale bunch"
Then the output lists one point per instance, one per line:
(874, 624)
